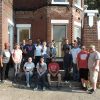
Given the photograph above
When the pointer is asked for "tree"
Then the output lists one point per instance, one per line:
(93, 4)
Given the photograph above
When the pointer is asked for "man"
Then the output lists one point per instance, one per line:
(93, 65)
(53, 69)
(74, 51)
(66, 46)
(67, 64)
(82, 65)
(29, 50)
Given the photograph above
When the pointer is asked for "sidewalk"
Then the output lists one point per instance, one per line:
(10, 92)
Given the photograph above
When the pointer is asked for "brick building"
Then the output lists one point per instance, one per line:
(44, 19)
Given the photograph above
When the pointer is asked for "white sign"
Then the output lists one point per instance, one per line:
(98, 23)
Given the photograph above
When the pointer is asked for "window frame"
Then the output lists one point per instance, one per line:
(22, 26)
(76, 4)
(77, 25)
(60, 3)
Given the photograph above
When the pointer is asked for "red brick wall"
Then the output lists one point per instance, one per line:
(58, 13)
(90, 35)
(0, 24)
(7, 13)
(39, 25)
(37, 20)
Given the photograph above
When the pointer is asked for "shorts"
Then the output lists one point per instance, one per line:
(83, 73)
(93, 76)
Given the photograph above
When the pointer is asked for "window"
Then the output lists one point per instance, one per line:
(10, 35)
(60, 2)
(77, 32)
(78, 4)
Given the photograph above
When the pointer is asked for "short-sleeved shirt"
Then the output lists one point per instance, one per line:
(6, 56)
(17, 55)
(74, 53)
(29, 66)
(82, 58)
(42, 68)
(30, 50)
(92, 59)
(38, 50)
(53, 67)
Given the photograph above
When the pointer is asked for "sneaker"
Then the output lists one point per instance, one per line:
(28, 85)
(44, 88)
(2, 81)
(66, 81)
(91, 91)
(35, 89)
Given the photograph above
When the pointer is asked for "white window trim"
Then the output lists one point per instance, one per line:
(10, 22)
(76, 5)
(58, 22)
(60, 3)
(22, 26)
(77, 24)
(98, 23)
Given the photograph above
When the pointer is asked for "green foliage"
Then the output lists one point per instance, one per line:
(93, 4)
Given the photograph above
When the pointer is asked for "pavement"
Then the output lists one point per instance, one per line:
(9, 91)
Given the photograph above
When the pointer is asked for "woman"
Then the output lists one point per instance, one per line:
(38, 52)
(28, 69)
(41, 73)
(44, 50)
(5, 57)
(17, 57)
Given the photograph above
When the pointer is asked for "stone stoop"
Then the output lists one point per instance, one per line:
(21, 80)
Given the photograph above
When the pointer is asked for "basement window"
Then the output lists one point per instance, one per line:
(60, 2)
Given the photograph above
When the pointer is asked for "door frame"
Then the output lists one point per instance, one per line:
(22, 26)
(58, 22)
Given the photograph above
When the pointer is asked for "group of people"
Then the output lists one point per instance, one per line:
(85, 64)
(39, 59)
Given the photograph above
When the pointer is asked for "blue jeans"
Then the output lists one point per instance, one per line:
(42, 81)
(75, 73)
(28, 76)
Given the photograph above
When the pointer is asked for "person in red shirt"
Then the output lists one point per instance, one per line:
(53, 71)
(82, 65)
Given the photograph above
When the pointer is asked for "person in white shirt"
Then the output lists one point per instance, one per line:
(44, 51)
(28, 69)
(38, 52)
(93, 66)
(74, 51)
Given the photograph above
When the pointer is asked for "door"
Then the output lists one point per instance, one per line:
(23, 32)
(59, 33)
